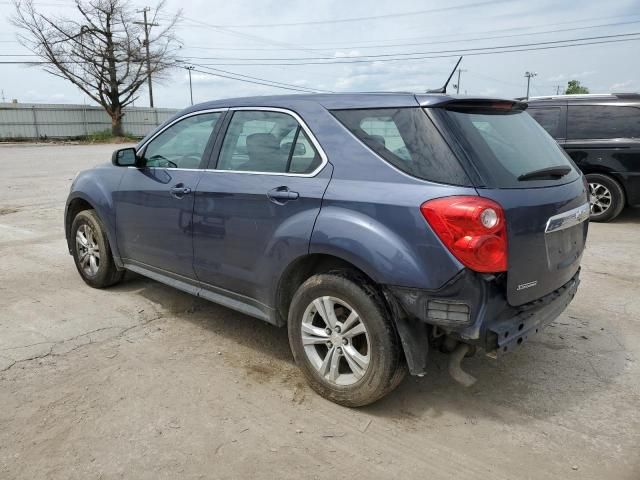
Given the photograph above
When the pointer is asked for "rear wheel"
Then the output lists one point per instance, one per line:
(343, 340)
(91, 251)
(606, 197)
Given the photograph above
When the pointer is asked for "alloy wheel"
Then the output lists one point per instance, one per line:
(599, 198)
(335, 340)
(88, 250)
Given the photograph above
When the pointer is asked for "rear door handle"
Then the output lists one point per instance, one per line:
(179, 190)
(282, 195)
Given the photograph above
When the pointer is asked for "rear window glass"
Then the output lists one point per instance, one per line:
(548, 118)
(505, 145)
(406, 138)
(602, 121)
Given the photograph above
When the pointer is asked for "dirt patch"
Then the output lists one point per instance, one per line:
(7, 210)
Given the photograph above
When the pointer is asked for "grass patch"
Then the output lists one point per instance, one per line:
(105, 136)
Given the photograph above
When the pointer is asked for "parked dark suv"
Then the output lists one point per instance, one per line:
(373, 226)
(601, 133)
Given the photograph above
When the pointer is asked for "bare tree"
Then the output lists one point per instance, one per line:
(102, 51)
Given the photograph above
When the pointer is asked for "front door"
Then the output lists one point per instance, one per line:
(255, 212)
(154, 204)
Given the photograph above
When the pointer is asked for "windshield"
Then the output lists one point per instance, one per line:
(506, 147)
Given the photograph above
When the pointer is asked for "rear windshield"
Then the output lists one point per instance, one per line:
(406, 138)
(505, 145)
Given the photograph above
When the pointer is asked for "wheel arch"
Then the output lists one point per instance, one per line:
(301, 269)
(612, 175)
(78, 202)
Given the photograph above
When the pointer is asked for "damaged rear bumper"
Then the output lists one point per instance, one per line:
(473, 309)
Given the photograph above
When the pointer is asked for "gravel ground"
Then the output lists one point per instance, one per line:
(142, 381)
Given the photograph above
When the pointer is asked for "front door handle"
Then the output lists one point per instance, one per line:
(282, 195)
(179, 190)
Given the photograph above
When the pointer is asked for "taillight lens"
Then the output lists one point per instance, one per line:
(472, 228)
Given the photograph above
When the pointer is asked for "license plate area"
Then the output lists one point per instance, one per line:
(565, 237)
(564, 247)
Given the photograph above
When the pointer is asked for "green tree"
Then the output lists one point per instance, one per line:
(574, 88)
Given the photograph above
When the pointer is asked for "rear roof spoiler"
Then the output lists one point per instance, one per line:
(471, 103)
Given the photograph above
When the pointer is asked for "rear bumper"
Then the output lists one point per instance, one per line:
(505, 334)
(490, 322)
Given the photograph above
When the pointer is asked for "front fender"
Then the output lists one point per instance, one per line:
(388, 256)
(96, 187)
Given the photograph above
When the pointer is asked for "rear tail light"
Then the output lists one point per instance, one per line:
(472, 228)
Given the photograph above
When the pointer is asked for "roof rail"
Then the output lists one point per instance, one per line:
(588, 95)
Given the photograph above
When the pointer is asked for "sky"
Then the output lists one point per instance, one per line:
(239, 36)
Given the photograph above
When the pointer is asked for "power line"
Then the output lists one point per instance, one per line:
(252, 81)
(311, 90)
(439, 36)
(371, 17)
(460, 52)
(353, 47)
(255, 38)
(385, 56)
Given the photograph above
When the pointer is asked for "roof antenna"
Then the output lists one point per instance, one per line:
(443, 89)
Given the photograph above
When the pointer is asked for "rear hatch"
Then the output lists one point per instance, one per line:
(514, 162)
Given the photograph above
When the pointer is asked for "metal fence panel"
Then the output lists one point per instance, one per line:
(39, 121)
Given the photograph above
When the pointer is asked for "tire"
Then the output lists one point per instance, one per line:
(349, 380)
(90, 240)
(606, 196)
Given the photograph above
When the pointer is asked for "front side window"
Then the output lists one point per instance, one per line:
(270, 142)
(183, 144)
(602, 121)
(548, 118)
(407, 139)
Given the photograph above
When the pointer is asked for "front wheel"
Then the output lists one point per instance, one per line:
(91, 251)
(343, 340)
(606, 197)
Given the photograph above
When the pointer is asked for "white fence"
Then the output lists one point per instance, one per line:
(39, 121)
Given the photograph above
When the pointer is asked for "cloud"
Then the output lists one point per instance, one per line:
(621, 86)
(557, 78)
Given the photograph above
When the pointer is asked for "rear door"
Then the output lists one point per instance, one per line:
(255, 208)
(546, 210)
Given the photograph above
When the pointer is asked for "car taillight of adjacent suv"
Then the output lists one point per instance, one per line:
(375, 227)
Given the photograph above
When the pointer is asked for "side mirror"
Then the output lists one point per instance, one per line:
(125, 157)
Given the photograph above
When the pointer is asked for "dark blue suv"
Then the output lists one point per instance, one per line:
(374, 226)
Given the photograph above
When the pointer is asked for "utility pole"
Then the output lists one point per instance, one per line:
(529, 76)
(147, 28)
(189, 68)
(460, 70)
(558, 87)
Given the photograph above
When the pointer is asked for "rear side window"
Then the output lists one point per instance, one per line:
(504, 145)
(602, 121)
(406, 138)
(270, 142)
(548, 118)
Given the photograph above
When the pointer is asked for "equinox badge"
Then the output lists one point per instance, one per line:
(527, 285)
